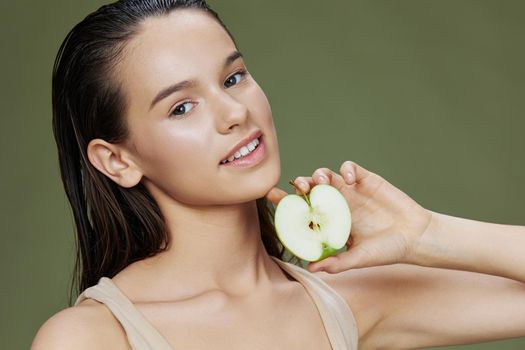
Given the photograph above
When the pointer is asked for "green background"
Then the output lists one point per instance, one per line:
(428, 94)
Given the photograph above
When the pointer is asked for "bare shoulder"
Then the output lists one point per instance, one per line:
(89, 325)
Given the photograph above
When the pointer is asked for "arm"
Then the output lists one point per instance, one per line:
(402, 273)
(389, 227)
(404, 306)
(463, 244)
(431, 305)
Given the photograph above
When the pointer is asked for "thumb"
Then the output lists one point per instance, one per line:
(275, 195)
(354, 258)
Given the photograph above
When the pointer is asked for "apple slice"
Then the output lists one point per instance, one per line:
(315, 225)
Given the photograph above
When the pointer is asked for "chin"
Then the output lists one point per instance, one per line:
(259, 186)
(270, 181)
(271, 174)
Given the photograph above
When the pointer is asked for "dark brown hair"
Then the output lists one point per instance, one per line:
(115, 226)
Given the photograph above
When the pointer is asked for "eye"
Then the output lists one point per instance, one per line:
(182, 109)
(240, 74)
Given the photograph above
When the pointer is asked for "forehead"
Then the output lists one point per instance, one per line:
(181, 45)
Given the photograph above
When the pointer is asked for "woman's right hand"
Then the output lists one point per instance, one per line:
(386, 223)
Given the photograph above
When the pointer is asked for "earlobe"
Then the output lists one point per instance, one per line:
(112, 161)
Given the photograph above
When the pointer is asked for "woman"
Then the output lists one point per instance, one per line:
(152, 104)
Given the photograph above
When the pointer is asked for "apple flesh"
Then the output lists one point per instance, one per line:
(315, 225)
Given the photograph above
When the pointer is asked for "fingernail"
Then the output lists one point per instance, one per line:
(348, 177)
(322, 178)
(303, 186)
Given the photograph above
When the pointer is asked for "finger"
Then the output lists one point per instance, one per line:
(322, 176)
(321, 265)
(353, 258)
(357, 256)
(275, 195)
(329, 261)
(353, 172)
(304, 183)
(327, 176)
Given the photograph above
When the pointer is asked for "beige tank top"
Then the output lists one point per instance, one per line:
(339, 322)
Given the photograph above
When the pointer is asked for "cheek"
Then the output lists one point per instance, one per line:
(262, 104)
(261, 110)
(159, 148)
(178, 163)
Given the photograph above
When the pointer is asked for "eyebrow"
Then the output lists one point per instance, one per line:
(185, 84)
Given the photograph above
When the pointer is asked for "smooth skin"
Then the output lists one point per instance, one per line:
(417, 278)
(216, 280)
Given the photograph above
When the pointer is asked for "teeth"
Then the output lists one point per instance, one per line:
(243, 151)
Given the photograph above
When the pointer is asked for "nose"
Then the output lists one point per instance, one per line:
(229, 110)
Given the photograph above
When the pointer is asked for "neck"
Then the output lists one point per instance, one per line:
(211, 249)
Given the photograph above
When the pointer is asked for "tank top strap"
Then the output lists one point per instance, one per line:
(140, 332)
(338, 319)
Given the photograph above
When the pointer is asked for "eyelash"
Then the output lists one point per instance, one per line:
(243, 72)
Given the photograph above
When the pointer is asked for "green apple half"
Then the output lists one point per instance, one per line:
(315, 225)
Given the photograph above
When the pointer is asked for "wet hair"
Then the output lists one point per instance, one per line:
(115, 226)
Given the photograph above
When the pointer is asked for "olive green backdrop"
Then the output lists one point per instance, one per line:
(428, 94)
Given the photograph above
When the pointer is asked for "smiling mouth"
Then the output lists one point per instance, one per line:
(243, 151)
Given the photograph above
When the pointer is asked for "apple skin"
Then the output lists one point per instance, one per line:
(327, 251)
(337, 203)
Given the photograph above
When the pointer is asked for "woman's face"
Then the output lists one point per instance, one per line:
(180, 138)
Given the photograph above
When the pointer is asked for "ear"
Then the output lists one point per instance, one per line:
(114, 162)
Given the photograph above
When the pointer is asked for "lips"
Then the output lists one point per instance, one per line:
(252, 136)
